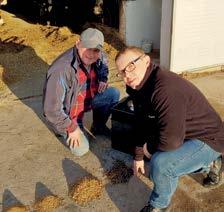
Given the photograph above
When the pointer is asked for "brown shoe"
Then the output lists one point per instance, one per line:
(150, 208)
(215, 174)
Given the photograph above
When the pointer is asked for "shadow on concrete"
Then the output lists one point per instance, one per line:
(130, 196)
(23, 71)
(133, 198)
(41, 191)
(198, 178)
(24, 74)
(9, 200)
(72, 172)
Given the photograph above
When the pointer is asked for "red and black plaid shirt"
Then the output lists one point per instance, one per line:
(89, 86)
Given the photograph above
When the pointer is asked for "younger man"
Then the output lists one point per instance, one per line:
(182, 131)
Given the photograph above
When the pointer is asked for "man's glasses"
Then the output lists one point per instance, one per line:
(130, 67)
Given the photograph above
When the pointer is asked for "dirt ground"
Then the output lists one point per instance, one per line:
(33, 161)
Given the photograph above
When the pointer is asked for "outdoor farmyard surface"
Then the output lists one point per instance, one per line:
(34, 164)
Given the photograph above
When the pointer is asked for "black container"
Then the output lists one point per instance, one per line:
(122, 134)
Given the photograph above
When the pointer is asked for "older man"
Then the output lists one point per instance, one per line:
(77, 82)
(174, 120)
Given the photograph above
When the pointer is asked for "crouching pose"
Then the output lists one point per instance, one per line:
(175, 124)
(75, 83)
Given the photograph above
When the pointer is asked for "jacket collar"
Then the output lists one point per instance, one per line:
(76, 61)
(148, 83)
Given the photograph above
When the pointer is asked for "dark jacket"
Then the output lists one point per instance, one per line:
(62, 86)
(170, 110)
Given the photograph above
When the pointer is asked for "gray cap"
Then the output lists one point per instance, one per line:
(92, 38)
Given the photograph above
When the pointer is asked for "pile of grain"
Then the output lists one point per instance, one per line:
(20, 208)
(86, 190)
(119, 173)
(47, 204)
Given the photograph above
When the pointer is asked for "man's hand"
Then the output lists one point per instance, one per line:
(102, 87)
(138, 166)
(74, 138)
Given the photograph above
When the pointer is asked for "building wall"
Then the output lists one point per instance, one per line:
(166, 33)
(143, 22)
(197, 35)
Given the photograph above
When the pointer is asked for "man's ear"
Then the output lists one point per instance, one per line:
(78, 44)
(148, 59)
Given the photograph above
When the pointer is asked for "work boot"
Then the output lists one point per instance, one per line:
(100, 130)
(215, 174)
(150, 208)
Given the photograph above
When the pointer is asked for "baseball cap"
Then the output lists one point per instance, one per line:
(92, 38)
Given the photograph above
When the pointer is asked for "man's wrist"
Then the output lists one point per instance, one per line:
(139, 153)
(72, 127)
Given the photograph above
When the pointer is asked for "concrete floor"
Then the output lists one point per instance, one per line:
(34, 163)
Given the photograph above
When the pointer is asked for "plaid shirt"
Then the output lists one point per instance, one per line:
(89, 86)
(61, 88)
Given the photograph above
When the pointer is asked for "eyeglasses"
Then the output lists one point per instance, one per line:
(130, 67)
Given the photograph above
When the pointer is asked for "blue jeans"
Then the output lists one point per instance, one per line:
(166, 168)
(102, 105)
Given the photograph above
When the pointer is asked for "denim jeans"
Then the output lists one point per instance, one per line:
(102, 104)
(166, 168)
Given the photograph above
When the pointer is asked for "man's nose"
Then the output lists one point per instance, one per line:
(91, 53)
(128, 74)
